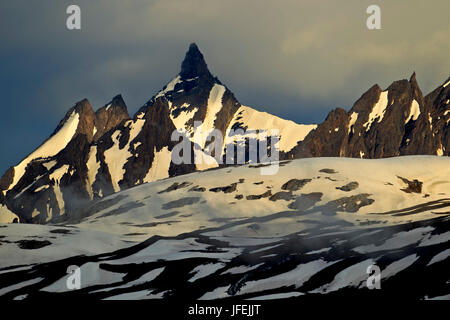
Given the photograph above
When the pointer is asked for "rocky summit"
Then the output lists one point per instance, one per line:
(384, 123)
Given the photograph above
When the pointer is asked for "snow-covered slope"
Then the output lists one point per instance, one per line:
(290, 133)
(28, 244)
(312, 229)
(49, 148)
(382, 191)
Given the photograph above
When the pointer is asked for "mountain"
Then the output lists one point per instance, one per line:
(311, 230)
(53, 178)
(94, 154)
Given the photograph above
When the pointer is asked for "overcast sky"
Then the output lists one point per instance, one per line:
(296, 59)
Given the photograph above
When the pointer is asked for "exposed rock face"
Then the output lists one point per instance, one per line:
(110, 116)
(226, 189)
(349, 186)
(396, 121)
(412, 186)
(439, 103)
(295, 184)
(194, 64)
(324, 141)
(94, 154)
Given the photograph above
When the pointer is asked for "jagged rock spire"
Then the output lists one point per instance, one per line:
(194, 64)
(110, 115)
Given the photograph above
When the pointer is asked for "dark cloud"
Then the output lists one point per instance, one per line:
(296, 59)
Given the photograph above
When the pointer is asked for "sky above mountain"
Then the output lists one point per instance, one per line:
(295, 59)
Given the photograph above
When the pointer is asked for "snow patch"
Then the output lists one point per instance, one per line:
(297, 277)
(93, 166)
(169, 87)
(56, 176)
(41, 188)
(378, 110)
(399, 265)
(49, 165)
(145, 278)
(115, 157)
(441, 256)
(414, 112)
(20, 285)
(214, 106)
(278, 296)
(204, 270)
(353, 118)
(352, 276)
(242, 269)
(183, 117)
(59, 173)
(400, 240)
(6, 216)
(218, 293)
(290, 133)
(140, 115)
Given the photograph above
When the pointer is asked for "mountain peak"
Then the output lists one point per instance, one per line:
(119, 102)
(417, 93)
(111, 115)
(194, 64)
(118, 96)
(413, 80)
(82, 106)
(193, 46)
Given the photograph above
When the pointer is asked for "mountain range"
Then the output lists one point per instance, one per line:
(91, 155)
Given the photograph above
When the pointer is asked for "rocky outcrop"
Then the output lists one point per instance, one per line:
(110, 116)
(394, 122)
(326, 140)
(439, 102)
